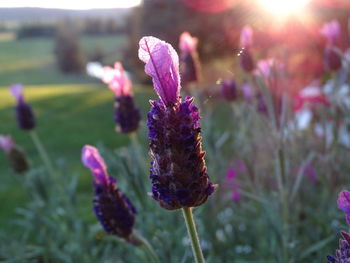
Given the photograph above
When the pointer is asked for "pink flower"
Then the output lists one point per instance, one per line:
(17, 92)
(162, 64)
(344, 204)
(246, 38)
(117, 80)
(188, 44)
(331, 31)
(6, 143)
(309, 97)
(92, 159)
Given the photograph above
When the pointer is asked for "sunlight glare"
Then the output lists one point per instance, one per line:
(283, 7)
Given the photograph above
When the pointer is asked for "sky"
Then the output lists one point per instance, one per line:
(74, 4)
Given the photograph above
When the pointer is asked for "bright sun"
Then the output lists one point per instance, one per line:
(283, 7)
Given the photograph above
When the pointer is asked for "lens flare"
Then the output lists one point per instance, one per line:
(284, 7)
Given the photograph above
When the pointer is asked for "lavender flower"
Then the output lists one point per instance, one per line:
(190, 65)
(344, 204)
(331, 30)
(231, 180)
(342, 255)
(332, 59)
(112, 208)
(16, 157)
(24, 113)
(178, 172)
(229, 90)
(246, 41)
(126, 114)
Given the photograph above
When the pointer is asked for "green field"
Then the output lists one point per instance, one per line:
(71, 110)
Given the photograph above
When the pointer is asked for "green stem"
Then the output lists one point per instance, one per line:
(42, 152)
(148, 247)
(192, 232)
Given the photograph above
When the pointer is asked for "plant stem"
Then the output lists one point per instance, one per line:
(148, 247)
(192, 232)
(42, 152)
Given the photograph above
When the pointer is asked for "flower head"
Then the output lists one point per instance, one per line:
(344, 204)
(178, 171)
(188, 44)
(162, 64)
(331, 30)
(117, 80)
(342, 255)
(24, 113)
(246, 39)
(112, 208)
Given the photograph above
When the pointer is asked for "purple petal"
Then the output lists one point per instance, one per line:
(162, 64)
(246, 38)
(331, 31)
(117, 80)
(17, 91)
(344, 201)
(92, 159)
(6, 143)
(188, 44)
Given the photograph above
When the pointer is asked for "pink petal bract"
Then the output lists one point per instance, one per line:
(246, 38)
(344, 201)
(162, 64)
(188, 44)
(17, 91)
(6, 143)
(92, 159)
(117, 80)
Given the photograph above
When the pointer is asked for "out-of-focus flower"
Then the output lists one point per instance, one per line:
(231, 180)
(246, 39)
(310, 172)
(342, 255)
(247, 91)
(310, 97)
(16, 157)
(189, 59)
(178, 171)
(24, 113)
(229, 89)
(126, 115)
(95, 69)
(331, 30)
(112, 208)
(332, 59)
(344, 204)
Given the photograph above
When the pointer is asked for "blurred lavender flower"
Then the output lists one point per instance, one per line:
(189, 59)
(112, 208)
(16, 157)
(229, 89)
(344, 204)
(178, 172)
(246, 41)
(331, 30)
(126, 114)
(248, 92)
(342, 255)
(231, 180)
(24, 113)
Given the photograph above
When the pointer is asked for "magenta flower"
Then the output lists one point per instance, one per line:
(112, 208)
(117, 80)
(6, 143)
(24, 113)
(331, 30)
(246, 39)
(231, 180)
(188, 44)
(126, 114)
(344, 204)
(178, 172)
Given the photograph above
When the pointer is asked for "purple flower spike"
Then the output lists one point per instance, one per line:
(178, 172)
(331, 31)
(344, 204)
(246, 39)
(24, 113)
(112, 208)
(342, 255)
(162, 64)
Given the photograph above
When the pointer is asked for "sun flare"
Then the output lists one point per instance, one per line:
(283, 7)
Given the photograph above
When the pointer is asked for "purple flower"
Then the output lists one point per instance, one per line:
(112, 208)
(126, 115)
(331, 31)
(162, 64)
(310, 171)
(24, 113)
(246, 60)
(16, 157)
(188, 44)
(229, 90)
(342, 255)
(344, 204)
(178, 172)
(248, 92)
(231, 180)
(246, 39)
(332, 59)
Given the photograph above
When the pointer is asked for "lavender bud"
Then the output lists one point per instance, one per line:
(112, 208)
(246, 60)
(229, 90)
(178, 171)
(126, 114)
